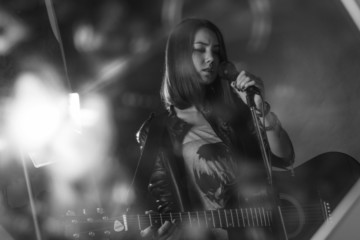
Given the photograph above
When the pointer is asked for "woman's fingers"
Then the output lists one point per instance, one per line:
(246, 79)
(148, 233)
(250, 83)
(164, 228)
(169, 231)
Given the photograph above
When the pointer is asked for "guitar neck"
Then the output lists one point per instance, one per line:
(221, 218)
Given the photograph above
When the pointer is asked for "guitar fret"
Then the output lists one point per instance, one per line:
(197, 214)
(256, 216)
(252, 216)
(219, 217)
(237, 217)
(213, 219)
(261, 222)
(247, 214)
(267, 214)
(243, 219)
(207, 225)
(138, 217)
(227, 223)
(263, 210)
(232, 218)
(150, 220)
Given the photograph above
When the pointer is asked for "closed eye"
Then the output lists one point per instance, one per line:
(202, 50)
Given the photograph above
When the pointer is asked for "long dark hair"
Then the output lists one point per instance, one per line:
(181, 85)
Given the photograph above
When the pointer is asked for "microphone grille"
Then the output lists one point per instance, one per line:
(228, 71)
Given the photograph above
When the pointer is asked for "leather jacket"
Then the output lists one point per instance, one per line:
(169, 182)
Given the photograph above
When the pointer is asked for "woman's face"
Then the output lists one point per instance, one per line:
(206, 55)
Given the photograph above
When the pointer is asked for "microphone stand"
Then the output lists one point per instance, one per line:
(266, 156)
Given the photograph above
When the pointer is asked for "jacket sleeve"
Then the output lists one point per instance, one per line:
(159, 185)
(160, 188)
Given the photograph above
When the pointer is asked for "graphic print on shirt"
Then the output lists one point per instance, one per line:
(214, 173)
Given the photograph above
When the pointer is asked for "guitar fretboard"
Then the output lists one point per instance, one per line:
(221, 218)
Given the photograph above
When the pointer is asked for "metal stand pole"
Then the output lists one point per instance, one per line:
(265, 153)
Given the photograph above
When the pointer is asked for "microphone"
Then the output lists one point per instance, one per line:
(228, 72)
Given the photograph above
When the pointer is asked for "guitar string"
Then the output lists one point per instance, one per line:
(104, 228)
(311, 216)
(202, 215)
(228, 210)
(135, 221)
(240, 222)
(317, 219)
(210, 226)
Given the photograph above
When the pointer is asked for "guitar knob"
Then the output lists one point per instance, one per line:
(91, 234)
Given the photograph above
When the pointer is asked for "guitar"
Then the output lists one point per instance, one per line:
(95, 225)
(306, 202)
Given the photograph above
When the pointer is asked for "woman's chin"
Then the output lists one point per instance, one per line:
(207, 80)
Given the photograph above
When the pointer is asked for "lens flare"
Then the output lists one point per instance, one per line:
(35, 113)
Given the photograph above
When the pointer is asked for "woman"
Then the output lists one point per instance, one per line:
(208, 156)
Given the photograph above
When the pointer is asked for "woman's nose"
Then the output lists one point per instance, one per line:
(209, 58)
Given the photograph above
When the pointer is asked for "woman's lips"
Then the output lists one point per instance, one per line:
(208, 69)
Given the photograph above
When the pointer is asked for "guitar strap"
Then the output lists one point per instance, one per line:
(149, 151)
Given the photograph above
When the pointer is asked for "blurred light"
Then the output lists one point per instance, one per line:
(89, 117)
(172, 12)
(140, 44)
(86, 39)
(35, 113)
(107, 73)
(13, 31)
(83, 160)
(82, 153)
(3, 144)
(122, 194)
(39, 160)
(113, 69)
(261, 25)
(74, 110)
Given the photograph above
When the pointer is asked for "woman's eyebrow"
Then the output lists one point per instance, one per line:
(206, 44)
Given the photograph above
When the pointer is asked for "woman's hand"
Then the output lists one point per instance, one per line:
(245, 80)
(169, 230)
